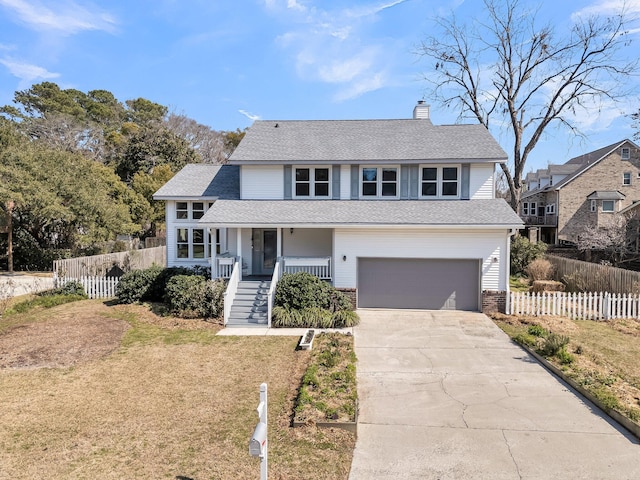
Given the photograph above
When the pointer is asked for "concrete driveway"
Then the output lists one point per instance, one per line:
(447, 395)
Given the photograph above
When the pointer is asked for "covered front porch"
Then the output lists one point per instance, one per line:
(258, 251)
(254, 259)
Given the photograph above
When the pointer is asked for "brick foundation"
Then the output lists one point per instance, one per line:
(351, 293)
(494, 301)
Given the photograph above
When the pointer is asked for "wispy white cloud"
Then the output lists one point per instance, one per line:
(609, 7)
(250, 116)
(65, 17)
(334, 46)
(27, 72)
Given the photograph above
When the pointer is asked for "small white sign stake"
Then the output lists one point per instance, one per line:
(259, 443)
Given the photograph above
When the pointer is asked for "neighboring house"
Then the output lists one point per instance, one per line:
(396, 213)
(562, 200)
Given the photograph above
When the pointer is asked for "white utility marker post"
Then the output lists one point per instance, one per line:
(259, 443)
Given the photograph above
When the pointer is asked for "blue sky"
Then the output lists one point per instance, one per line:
(225, 63)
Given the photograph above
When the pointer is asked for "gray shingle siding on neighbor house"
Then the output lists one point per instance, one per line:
(200, 180)
(365, 141)
(405, 213)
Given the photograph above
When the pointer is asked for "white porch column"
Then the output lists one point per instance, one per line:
(279, 242)
(239, 248)
(214, 254)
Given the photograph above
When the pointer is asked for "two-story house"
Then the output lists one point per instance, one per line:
(562, 200)
(397, 213)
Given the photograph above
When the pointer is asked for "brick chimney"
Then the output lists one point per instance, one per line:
(421, 110)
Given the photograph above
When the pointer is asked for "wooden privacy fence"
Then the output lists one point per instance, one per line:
(94, 287)
(588, 306)
(110, 264)
(593, 277)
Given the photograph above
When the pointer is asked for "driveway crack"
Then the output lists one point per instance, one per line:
(506, 441)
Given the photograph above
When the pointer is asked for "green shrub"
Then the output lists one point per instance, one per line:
(156, 290)
(523, 252)
(71, 287)
(136, 285)
(565, 357)
(537, 331)
(192, 296)
(553, 344)
(296, 291)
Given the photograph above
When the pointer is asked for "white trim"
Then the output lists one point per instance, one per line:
(312, 182)
(613, 202)
(625, 153)
(379, 182)
(440, 181)
(392, 226)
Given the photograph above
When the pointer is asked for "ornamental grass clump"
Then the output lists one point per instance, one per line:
(303, 300)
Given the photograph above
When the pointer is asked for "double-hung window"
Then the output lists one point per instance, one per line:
(594, 205)
(182, 210)
(379, 182)
(550, 209)
(197, 210)
(198, 242)
(312, 182)
(525, 208)
(626, 178)
(182, 243)
(440, 182)
(625, 153)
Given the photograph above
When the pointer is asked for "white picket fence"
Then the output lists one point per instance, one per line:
(590, 306)
(94, 287)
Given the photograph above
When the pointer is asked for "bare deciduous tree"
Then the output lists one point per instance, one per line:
(208, 143)
(617, 238)
(507, 70)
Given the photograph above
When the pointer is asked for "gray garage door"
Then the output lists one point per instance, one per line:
(432, 284)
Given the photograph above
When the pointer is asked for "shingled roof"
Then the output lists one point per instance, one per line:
(327, 213)
(201, 180)
(365, 141)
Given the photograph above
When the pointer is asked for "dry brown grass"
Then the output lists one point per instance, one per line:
(173, 401)
(606, 354)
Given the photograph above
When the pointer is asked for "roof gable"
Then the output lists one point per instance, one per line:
(201, 180)
(362, 141)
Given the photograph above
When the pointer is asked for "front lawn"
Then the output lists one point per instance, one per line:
(602, 357)
(169, 399)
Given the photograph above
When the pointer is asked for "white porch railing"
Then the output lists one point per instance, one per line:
(277, 273)
(318, 266)
(223, 266)
(591, 306)
(232, 288)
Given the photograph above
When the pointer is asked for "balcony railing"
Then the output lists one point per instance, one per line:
(541, 220)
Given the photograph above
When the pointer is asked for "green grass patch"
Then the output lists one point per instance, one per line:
(328, 390)
(48, 301)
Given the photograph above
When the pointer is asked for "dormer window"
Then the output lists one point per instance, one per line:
(379, 182)
(311, 182)
(440, 182)
(625, 153)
